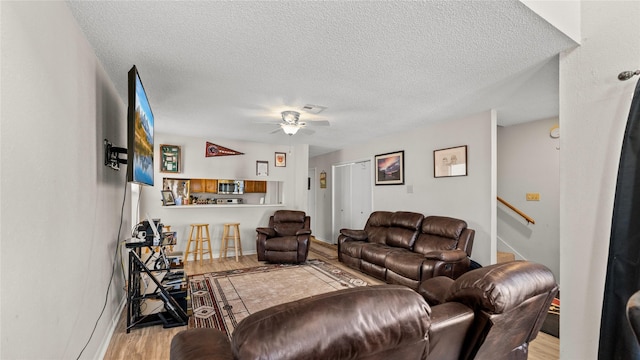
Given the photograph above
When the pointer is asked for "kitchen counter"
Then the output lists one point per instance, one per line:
(222, 206)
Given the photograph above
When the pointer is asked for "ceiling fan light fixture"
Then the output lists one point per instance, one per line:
(290, 117)
(290, 129)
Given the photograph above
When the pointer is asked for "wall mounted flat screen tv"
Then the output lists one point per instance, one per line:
(139, 133)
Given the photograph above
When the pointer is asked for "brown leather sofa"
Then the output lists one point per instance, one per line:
(487, 313)
(406, 248)
(286, 240)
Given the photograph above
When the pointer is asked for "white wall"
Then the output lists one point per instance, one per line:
(61, 208)
(528, 162)
(564, 15)
(242, 167)
(468, 197)
(594, 107)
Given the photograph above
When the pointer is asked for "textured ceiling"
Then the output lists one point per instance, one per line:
(227, 69)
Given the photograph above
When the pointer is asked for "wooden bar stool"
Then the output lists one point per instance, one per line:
(226, 236)
(199, 239)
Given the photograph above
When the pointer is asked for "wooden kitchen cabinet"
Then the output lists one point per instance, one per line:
(198, 185)
(211, 186)
(255, 186)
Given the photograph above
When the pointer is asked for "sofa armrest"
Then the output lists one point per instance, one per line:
(446, 255)
(435, 290)
(450, 323)
(269, 232)
(200, 344)
(303, 232)
(354, 234)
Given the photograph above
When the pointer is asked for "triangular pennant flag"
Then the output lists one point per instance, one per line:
(217, 150)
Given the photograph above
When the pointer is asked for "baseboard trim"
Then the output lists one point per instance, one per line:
(104, 346)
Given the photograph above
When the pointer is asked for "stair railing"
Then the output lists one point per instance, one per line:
(518, 211)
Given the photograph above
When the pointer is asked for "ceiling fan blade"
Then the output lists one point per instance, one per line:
(276, 131)
(318, 122)
(306, 131)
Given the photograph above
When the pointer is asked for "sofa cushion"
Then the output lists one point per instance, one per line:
(285, 243)
(352, 248)
(376, 253)
(405, 263)
(439, 233)
(377, 226)
(404, 229)
(288, 222)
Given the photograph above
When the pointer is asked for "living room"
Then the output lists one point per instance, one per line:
(57, 96)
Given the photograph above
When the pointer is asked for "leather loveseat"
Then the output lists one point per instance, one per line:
(406, 248)
(487, 313)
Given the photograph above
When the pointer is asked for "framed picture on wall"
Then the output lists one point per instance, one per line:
(450, 162)
(170, 158)
(390, 168)
(281, 159)
(262, 168)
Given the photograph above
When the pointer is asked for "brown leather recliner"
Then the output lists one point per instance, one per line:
(373, 322)
(286, 240)
(510, 302)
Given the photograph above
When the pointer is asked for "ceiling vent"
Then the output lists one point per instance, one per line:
(313, 109)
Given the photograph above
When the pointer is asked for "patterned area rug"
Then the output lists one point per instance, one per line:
(221, 300)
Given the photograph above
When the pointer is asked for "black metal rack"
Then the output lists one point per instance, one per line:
(174, 313)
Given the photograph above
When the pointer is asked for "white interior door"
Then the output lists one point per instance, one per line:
(351, 196)
(361, 178)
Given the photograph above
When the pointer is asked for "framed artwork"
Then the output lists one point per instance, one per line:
(390, 168)
(170, 158)
(323, 180)
(167, 198)
(450, 162)
(281, 159)
(262, 168)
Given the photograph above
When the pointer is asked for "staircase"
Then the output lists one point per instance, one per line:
(505, 257)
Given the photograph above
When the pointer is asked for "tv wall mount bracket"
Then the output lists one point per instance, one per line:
(112, 155)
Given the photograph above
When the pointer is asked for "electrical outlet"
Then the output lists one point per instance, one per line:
(533, 196)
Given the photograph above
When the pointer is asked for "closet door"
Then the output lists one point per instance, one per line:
(361, 178)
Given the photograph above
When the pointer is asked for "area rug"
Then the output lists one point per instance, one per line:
(327, 251)
(221, 300)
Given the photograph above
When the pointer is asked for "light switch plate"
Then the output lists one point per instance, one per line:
(533, 196)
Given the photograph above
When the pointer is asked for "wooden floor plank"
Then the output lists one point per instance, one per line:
(152, 343)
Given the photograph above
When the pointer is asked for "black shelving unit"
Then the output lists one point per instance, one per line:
(175, 300)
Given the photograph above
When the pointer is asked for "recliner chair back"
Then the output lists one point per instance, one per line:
(398, 228)
(288, 222)
(510, 301)
(444, 233)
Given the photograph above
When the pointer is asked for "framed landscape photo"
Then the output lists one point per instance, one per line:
(281, 159)
(170, 158)
(167, 198)
(450, 162)
(390, 168)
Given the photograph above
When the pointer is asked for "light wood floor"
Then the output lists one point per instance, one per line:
(152, 343)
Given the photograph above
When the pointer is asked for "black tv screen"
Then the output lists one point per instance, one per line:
(139, 133)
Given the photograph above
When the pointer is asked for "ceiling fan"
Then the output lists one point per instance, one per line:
(291, 123)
